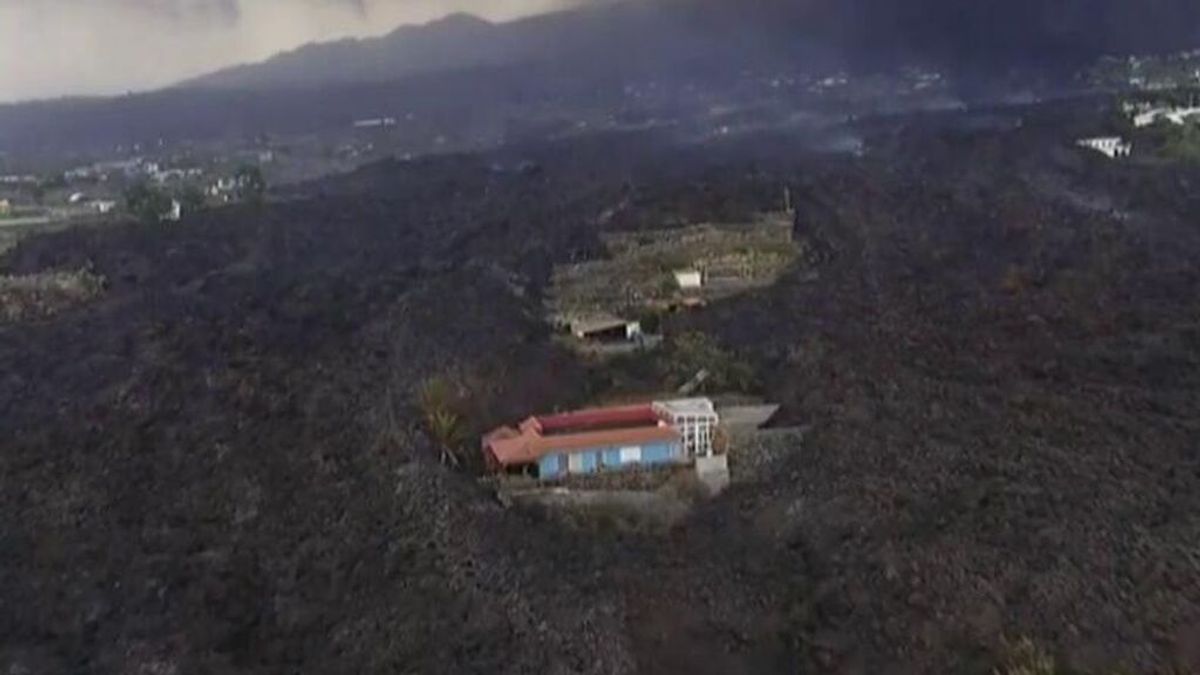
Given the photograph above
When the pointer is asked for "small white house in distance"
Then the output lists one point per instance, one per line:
(1176, 115)
(375, 123)
(1110, 146)
(175, 213)
(5, 207)
(689, 280)
(103, 206)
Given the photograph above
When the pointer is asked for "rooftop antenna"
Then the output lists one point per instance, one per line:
(787, 199)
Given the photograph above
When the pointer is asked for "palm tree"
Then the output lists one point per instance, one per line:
(444, 426)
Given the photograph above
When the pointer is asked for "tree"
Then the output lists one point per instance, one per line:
(53, 181)
(191, 198)
(445, 426)
(147, 203)
(251, 185)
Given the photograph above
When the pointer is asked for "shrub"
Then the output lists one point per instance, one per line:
(146, 203)
(689, 353)
(1025, 658)
(251, 185)
(1016, 280)
(650, 321)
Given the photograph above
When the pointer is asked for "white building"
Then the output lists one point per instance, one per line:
(222, 186)
(689, 280)
(1175, 115)
(695, 419)
(5, 207)
(603, 327)
(164, 175)
(1110, 146)
(175, 213)
(103, 206)
(375, 123)
(79, 173)
(225, 188)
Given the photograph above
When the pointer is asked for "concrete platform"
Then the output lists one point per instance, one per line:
(713, 472)
(744, 418)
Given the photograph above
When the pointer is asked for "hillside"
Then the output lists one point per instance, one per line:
(592, 42)
(659, 36)
(457, 41)
(217, 466)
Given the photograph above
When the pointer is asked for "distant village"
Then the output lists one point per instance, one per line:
(199, 175)
(106, 187)
(1147, 73)
(1166, 123)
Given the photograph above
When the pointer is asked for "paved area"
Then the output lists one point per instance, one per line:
(746, 417)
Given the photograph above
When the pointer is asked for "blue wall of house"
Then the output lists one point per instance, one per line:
(658, 454)
(608, 459)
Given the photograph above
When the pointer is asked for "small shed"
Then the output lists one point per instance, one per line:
(5, 207)
(689, 279)
(606, 329)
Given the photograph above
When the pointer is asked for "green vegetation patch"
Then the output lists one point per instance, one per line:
(1178, 142)
(38, 296)
(639, 270)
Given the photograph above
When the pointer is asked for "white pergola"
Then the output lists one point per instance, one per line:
(696, 420)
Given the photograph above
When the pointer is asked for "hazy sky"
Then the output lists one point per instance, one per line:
(58, 47)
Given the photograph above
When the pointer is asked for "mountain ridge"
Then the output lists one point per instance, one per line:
(488, 76)
(420, 42)
(983, 36)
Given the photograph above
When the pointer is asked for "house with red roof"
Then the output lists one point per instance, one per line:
(603, 439)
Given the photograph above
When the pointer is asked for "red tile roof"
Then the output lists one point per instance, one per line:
(614, 427)
(529, 447)
(500, 434)
(598, 418)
